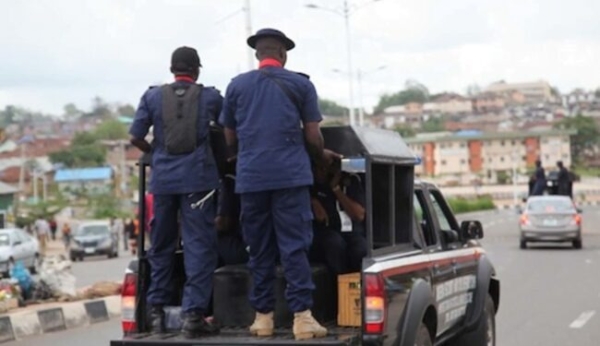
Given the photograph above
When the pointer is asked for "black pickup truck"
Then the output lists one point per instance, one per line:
(425, 281)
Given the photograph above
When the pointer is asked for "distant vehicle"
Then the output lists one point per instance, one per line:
(94, 238)
(17, 245)
(550, 219)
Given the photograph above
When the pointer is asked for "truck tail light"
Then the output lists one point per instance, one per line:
(128, 303)
(524, 219)
(374, 304)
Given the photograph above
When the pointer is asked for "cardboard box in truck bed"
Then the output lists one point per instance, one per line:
(349, 300)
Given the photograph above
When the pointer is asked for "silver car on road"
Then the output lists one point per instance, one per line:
(550, 219)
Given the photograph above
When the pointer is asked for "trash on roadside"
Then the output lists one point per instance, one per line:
(23, 277)
(55, 272)
(102, 289)
(41, 291)
(10, 294)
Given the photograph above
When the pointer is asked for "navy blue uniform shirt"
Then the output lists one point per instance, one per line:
(271, 146)
(179, 174)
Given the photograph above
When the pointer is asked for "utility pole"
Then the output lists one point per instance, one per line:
(123, 168)
(35, 186)
(514, 179)
(249, 33)
(349, 53)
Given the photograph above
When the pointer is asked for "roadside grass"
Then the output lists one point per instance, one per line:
(461, 205)
(587, 171)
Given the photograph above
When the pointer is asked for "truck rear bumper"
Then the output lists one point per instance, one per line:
(336, 336)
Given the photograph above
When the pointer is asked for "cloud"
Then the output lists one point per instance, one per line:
(59, 51)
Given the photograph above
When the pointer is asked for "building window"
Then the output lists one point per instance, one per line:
(524, 158)
(501, 158)
(547, 157)
(490, 159)
(462, 162)
(442, 146)
(443, 162)
(513, 142)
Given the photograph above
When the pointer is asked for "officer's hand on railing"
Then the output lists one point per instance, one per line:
(329, 156)
(232, 158)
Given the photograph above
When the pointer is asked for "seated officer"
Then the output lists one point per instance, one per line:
(230, 245)
(339, 236)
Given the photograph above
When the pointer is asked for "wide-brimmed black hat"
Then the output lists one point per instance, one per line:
(185, 59)
(274, 33)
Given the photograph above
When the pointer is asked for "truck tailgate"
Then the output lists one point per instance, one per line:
(336, 336)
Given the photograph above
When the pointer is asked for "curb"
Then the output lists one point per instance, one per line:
(57, 316)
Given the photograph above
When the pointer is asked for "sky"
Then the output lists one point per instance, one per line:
(60, 51)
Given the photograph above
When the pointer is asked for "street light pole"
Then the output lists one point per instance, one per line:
(349, 53)
(249, 33)
(361, 112)
(514, 179)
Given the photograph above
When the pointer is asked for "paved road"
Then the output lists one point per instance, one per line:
(94, 269)
(550, 295)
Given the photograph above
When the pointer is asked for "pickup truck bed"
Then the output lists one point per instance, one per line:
(229, 336)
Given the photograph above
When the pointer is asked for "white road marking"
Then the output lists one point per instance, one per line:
(582, 319)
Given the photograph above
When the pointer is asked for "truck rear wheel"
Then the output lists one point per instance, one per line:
(484, 333)
(423, 336)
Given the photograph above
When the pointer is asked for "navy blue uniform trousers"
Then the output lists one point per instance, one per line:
(279, 220)
(199, 244)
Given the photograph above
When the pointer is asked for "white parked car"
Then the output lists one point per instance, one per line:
(17, 245)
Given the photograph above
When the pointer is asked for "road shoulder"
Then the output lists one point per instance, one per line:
(46, 318)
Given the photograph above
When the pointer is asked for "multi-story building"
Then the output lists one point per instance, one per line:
(487, 154)
(534, 92)
(488, 102)
(451, 103)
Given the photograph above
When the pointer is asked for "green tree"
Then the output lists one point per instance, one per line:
(100, 108)
(585, 140)
(84, 138)
(597, 93)
(7, 116)
(414, 92)
(111, 129)
(71, 112)
(329, 107)
(85, 151)
(405, 131)
(433, 125)
(126, 110)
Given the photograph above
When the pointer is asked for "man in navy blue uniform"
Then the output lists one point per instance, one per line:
(272, 115)
(184, 179)
(339, 232)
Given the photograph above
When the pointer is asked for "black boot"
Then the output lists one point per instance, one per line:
(157, 320)
(194, 326)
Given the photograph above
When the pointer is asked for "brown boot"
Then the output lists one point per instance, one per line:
(306, 327)
(263, 324)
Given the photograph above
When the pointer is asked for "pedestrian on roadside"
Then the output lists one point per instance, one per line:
(274, 114)
(563, 180)
(126, 231)
(66, 235)
(184, 180)
(53, 228)
(539, 180)
(42, 230)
